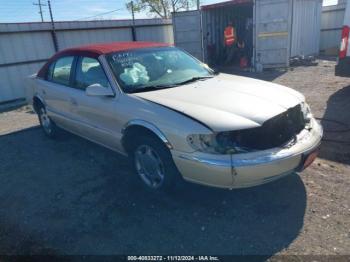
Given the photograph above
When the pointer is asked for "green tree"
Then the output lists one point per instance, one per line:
(160, 8)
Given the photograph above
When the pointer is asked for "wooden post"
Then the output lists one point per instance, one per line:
(133, 31)
(53, 31)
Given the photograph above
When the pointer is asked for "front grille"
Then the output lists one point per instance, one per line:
(275, 132)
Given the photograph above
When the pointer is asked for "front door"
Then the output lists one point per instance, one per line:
(97, 115)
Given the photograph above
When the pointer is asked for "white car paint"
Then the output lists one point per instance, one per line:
(227, 102)
(222, 103)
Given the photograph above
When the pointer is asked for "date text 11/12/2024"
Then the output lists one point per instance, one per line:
(173, 258)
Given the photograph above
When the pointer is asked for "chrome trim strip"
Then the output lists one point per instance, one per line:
(271, 178)
(245, 162)
(266, 159)
(261, 160)
(151, 127)
(210, 162)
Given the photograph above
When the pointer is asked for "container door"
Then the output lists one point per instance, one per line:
(188, 32)
(272, 33)
(306, 24)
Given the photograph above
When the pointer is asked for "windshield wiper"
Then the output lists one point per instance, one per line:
(193, 79)
(157, 87)
(150, 88)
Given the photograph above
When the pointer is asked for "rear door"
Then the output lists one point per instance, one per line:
(56, 91)
(272, 32)
(188, 32)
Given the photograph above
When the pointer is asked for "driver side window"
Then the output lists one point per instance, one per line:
(89, 71)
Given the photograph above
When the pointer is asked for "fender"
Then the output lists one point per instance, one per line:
(181, 113)
(149, 126)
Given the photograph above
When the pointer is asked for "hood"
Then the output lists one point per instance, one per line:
(227, 102)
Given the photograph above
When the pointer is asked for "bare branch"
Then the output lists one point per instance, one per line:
(161, 8)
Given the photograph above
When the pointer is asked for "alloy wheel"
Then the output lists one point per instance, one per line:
(149, 166)
(45, 121)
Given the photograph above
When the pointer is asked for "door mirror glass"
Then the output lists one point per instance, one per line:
(98, 90)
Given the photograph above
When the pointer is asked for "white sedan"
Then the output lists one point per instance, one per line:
(174, 116)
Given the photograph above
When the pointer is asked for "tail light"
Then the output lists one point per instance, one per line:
(344, 42)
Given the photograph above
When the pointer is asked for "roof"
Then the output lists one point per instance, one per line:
(105, 48)
(95, 50)
(227, 3)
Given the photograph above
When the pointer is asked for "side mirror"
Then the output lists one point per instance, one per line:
(98, 90)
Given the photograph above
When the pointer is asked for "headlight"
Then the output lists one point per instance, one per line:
(220, 143)
(306, 112)
(203, 143)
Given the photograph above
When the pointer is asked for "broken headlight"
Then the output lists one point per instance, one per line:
(219, 143)
(305, 109)
(203, 143)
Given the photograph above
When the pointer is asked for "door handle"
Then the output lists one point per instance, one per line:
(73, 102)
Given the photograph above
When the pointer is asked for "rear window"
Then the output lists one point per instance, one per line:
(59, 72)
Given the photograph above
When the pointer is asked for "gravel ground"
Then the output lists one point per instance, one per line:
(70, 196)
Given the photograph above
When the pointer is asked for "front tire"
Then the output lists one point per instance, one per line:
(153, 164)
(48, 126)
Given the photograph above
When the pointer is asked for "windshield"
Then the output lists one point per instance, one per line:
(154, 68)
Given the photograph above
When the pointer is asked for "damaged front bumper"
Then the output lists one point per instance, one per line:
(250, 169)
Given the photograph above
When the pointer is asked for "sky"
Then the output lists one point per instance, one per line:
(68, 10)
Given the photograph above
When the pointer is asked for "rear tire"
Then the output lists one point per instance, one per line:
(153, 164)
(48, 126)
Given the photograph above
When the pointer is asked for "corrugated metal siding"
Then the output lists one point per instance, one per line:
(273, 25)
(12, 80)
(24, 47)
(76, 38)
(22, 44)
(74, 25)
(275, 42)
(331, 23)
(156, 34)
(306, 27)
(188, 32)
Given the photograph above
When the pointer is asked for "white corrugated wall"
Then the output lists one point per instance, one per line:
(75, 38)
(306, 26)
(24, 47)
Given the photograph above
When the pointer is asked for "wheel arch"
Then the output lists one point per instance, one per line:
(37, 101)
(136, 126)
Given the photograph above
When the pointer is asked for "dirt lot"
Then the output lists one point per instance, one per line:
(73, 197)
